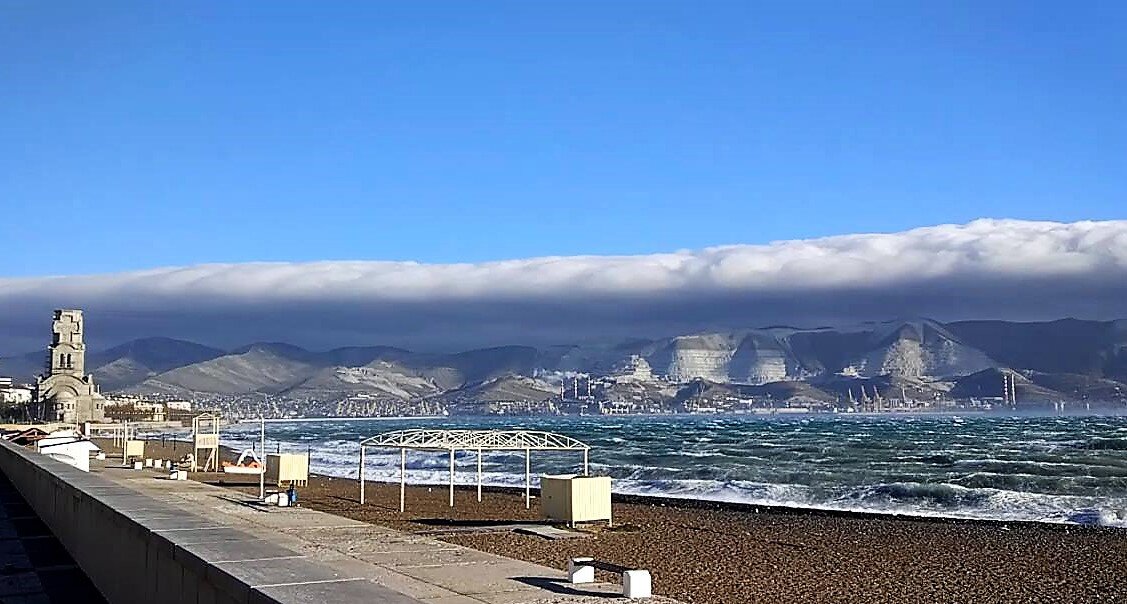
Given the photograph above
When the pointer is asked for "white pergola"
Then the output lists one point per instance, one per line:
(118, 432)
(469, 440)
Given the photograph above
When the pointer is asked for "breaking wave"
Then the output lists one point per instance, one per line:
(997, 468)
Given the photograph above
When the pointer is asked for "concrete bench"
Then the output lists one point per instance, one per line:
(636, 583)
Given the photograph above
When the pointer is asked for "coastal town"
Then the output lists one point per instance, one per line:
(630, 387)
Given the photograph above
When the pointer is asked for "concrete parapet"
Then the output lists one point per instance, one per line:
(137, 549)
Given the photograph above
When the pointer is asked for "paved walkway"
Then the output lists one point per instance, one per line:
(34, 567)
(419, 567)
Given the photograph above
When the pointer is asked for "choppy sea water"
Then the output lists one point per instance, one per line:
(1052, 469)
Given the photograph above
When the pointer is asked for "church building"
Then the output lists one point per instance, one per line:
(66, 393)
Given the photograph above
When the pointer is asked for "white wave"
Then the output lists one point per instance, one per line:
(339, 458)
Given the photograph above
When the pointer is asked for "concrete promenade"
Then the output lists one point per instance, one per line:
(34, 567)
(143, 538)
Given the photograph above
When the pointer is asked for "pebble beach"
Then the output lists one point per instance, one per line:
(725, 553)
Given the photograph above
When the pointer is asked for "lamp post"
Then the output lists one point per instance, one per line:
(262, 447)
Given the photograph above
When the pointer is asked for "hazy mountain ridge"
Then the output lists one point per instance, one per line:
(921, 348)
(1068, 357)
(256, 368)
(136, 361)
(505, 388)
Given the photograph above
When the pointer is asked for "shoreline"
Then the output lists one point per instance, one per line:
(689, 503)
(720, 504)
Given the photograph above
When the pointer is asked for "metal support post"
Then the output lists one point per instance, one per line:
(360, 474)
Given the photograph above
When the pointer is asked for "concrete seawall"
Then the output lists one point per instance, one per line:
(137, 549)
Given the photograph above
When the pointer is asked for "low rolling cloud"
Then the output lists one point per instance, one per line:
(996, 269)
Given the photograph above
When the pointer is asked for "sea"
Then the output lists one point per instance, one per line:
(1034, 468)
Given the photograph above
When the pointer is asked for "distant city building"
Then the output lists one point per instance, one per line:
(178, 410)
(134, 409)
(123, 407)
(66, 393)
(179, 405)
(11, 394)
(637, 369)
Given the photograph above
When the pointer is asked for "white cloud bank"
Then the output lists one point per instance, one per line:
(985, 269)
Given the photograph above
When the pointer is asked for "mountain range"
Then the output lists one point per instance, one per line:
(1067, 358)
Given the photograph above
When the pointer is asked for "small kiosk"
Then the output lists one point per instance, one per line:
(286, 469)
(574, 499)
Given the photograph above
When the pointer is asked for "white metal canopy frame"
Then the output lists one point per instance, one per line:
(469, 440)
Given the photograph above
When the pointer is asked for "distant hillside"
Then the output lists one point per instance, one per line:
(133, 362)
(988, 383)
(380, 378)
(921, 358)
(918, 349)
(506, 388)
(1065, 346)
(256, 368)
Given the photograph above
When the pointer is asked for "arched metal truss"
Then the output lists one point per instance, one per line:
(422, 439)
(486, 440)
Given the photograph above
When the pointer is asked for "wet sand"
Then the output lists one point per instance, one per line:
(706, 552)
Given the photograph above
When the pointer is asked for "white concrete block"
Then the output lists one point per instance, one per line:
(158, 463)
(138, 465)
(579, 570)
(637, 584)
(182, 475)
(148, 462)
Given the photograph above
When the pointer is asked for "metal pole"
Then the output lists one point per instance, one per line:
(479, 475)
(262, 474)
(527, 478)
(402, 479)
(586, 466)
(451, 477)
(361, 474)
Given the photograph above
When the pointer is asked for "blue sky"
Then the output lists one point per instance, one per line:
(157, 134)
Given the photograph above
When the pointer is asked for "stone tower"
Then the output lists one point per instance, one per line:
(68, 351)
(66, 393)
